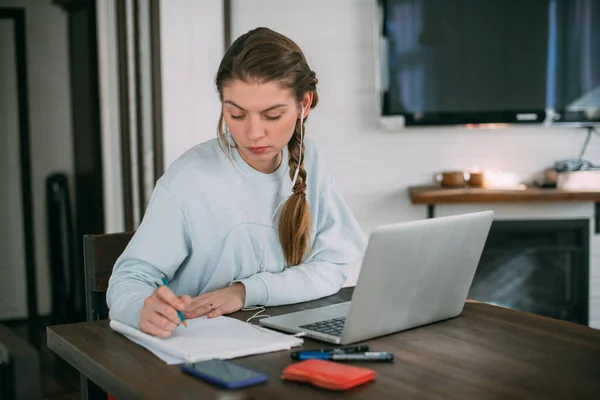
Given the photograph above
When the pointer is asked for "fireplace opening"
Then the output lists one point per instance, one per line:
(540, 266)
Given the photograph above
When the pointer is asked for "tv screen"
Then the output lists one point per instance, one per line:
(490, 61)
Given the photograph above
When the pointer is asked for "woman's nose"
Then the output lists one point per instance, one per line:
(255, 129)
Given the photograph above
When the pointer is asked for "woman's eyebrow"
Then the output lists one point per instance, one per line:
(265, 110)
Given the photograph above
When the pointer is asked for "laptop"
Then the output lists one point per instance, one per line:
(412, 274)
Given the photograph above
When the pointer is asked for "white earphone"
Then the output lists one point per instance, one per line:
(229, 140)
(301, 147)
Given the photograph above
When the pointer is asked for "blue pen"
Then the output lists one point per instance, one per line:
(366, 356)
(166, 283)
(344, 349)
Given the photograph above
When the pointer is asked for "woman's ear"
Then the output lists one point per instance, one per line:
(306, 102)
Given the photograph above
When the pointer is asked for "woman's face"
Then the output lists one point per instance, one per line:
(261, 118)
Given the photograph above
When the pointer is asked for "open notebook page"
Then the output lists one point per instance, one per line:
(208, 338)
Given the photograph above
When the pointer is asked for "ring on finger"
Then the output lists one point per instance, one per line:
(212, 306)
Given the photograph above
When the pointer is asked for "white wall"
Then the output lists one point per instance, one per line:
(373, 168)
(191, 49)
(50, 120)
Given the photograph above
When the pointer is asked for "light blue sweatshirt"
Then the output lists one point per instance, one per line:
(212, 221)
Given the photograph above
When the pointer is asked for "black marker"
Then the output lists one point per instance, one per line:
(367, 356)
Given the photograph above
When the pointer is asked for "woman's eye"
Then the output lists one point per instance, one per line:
(237, 116)
(272, 118)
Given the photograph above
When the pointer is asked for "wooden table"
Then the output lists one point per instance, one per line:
(432, 195)
(487, 352)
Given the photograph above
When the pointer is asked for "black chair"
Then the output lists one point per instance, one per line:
(100, 252)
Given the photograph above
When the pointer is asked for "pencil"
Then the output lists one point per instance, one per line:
(181, 317)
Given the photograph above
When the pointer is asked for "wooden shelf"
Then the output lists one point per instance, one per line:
(433, 195)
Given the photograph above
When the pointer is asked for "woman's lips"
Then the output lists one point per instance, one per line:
(257, 150)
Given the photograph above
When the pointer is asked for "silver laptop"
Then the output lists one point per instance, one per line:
(413, 273)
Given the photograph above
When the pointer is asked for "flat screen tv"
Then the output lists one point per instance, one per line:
(461, 62)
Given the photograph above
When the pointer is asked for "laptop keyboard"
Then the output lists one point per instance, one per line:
(333, 326)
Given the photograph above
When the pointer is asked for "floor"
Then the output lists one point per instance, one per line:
(60, 381)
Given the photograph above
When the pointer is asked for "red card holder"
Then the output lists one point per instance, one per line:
(328, 374)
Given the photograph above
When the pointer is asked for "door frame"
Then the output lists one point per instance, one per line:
(17, 15)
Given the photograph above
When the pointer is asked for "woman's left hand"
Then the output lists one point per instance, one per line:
(216, 303)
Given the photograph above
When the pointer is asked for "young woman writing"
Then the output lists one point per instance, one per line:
(249, 218)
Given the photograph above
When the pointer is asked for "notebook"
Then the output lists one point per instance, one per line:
(209, 338)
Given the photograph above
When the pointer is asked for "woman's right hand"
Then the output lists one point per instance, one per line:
(158, 316)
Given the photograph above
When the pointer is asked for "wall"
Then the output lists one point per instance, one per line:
(373, 168)
(12, 243)
(191, 49)
(50, 121)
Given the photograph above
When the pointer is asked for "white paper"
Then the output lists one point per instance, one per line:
(210, 338)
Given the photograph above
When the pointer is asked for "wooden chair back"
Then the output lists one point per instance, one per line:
(100, 252)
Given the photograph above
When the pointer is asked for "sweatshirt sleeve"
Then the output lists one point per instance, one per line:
(159, 246)
(339, 241)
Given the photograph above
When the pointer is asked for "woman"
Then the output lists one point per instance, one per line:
(251, 218)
